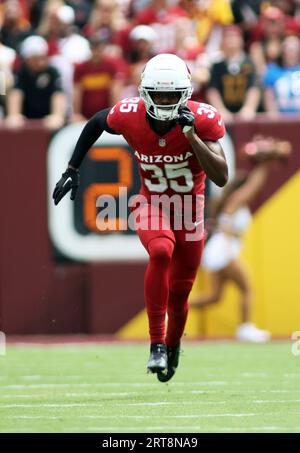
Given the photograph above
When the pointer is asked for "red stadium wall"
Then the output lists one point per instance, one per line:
(38, 295)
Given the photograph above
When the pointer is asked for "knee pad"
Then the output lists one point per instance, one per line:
(160, 250)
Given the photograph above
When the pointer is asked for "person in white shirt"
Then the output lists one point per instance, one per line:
(231, 217)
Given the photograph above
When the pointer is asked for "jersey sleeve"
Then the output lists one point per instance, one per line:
(209, 124)
(123, 117)
(115, 118)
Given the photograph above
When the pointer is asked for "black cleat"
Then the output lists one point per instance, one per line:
(158, 360)
(173, 359)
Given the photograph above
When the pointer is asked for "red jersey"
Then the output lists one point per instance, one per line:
(95, 80)
(167, 164)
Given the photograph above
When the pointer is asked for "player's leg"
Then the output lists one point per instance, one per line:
(159, 244)
(184, 266)
(217, 282)
(156, 285)
(236, 272)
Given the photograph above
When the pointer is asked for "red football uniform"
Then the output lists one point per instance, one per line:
(167, 166)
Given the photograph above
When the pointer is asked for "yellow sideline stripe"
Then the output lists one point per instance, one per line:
(271, 253)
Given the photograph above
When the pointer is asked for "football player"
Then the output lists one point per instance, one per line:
(175, 143)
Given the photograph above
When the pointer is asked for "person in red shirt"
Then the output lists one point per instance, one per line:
(98, 82)
(176, 145)
(159, 11)
(267, 35)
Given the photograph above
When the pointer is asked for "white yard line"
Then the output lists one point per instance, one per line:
(169, 403)
(187, 428)
(275, 401)
(142, 417)
(258, 428)
(117, 384)
(66, 405)
(37, 377)
(159, 428)
(171, 390)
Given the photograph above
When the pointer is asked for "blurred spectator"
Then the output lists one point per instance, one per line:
(211, 16)
(282, 82)
(98, 82)
(142, 39)
(267, 35)
(107, 20)
(37, 92)
(231, 217)
(266, 38)
(34, 10)
(289, 7)
(160, 15)
(66, 47)
(15, 27)
(63, 39)
(135, 6)
(160, 11)
(47, 25)
(233, 88)
(82, 10)
(187, 48)
(7, 59)
(246, 13)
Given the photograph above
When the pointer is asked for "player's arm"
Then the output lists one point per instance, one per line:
(245, 194)
(210, 154)
(211, 158)
(90, 133)
(14, 108)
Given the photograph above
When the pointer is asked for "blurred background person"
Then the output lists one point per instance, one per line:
(142, 42)
(233, 88)
(197, 59)
(63, 38)
(282, 80)
(289, 7)
(135, 6)
(246, 13)
(161, 15)
(231, 216)
(160, 12)
(143, 39)
(15, 26)
(66, 46)
(267, 35)
(37, 92)
(82, 10)
(210, 17)
(98, 82)
(7, 59)
(108, 20)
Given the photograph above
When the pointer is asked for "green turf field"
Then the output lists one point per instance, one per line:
(219, 387)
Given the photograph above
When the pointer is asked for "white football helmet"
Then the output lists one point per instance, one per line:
(165, 72)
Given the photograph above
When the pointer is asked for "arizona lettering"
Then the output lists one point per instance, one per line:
(162, 157)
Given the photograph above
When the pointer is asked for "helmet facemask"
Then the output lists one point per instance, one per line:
(165, 73)
(165, 112)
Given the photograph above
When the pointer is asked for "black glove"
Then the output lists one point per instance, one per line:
(68, 181)
(186, 117)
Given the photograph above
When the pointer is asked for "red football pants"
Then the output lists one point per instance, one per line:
(169, 277)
